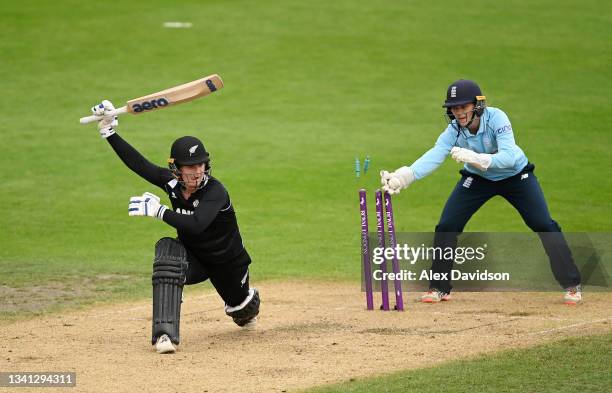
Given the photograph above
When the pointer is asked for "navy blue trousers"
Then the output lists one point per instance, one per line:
(524, 193)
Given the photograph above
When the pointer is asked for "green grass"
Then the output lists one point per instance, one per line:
(309, 86)
(577, 364)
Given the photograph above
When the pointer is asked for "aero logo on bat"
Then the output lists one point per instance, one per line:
(148, 105)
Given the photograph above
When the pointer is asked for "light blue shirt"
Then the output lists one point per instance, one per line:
(494, 137)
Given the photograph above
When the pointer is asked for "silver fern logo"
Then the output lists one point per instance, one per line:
(192, 150)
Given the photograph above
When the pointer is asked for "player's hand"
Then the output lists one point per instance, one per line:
(108, 122)
(146, 204)
(394, 182)
(479, 160)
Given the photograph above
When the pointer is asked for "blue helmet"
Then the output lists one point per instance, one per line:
(464, 92)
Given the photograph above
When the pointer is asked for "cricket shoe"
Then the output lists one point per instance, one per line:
(251, 325)
(573, 295)
(435, 296)
(164, 344)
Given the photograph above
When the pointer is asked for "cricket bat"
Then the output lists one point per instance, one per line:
(165, 98)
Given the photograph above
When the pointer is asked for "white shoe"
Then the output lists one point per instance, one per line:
(435, 296)
(573, 295)
(164, 344)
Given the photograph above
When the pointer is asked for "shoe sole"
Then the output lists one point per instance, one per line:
(434, 301)
(165, 348)
(429, 301)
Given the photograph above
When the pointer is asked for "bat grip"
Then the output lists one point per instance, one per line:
(92, 118)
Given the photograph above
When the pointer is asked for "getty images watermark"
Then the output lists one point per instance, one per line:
(413, 255)
(489, 261)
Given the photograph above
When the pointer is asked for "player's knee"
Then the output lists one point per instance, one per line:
(170, 260)
(446, 225)
(544, 225)
(244, 313)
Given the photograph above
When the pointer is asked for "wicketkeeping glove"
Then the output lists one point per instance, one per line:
(108, 122)
(396, 181)
(479, 160)
(146, 205)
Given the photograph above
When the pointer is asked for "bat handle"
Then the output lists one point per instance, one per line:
(92, 118)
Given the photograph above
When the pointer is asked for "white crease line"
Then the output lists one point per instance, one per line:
(570, 326)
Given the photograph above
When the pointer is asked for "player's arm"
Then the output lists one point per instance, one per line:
(148, 205)
(201, 218)
(130, 156)
(434, 157)
(396, 181)
(137, 163)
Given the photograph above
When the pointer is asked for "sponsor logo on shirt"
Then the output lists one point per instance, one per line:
(503, 129)
(468, 182)
(184, 211)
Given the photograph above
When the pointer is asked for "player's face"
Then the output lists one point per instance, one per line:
(463, 113)
(192, 175)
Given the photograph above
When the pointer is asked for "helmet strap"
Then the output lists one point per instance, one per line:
(177, 174)
(479, 107)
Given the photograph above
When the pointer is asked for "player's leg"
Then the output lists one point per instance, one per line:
(169, 269)
(469, 194)
(523, 191)
(231, 280)
(196, 273)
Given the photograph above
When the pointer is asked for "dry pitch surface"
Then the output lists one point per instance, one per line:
(309, 333)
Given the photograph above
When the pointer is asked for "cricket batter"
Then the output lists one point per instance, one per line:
(481, 137)
(208, 245)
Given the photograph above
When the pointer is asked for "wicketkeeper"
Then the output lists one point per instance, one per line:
(481, 137)
(208, 246)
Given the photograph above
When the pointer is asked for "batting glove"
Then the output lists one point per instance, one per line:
(146, 205)
(396, 181)
(105, 126)
(479, 160)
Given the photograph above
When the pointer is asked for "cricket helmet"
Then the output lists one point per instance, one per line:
(188, 150)
(463, 92)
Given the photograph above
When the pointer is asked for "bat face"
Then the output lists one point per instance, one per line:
(175, 95)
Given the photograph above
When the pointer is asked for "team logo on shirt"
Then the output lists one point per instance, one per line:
(196, 203)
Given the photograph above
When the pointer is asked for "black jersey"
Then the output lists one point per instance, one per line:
(205, 223)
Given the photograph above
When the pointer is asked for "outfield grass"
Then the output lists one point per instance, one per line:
(309, 86)
(577, 364)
